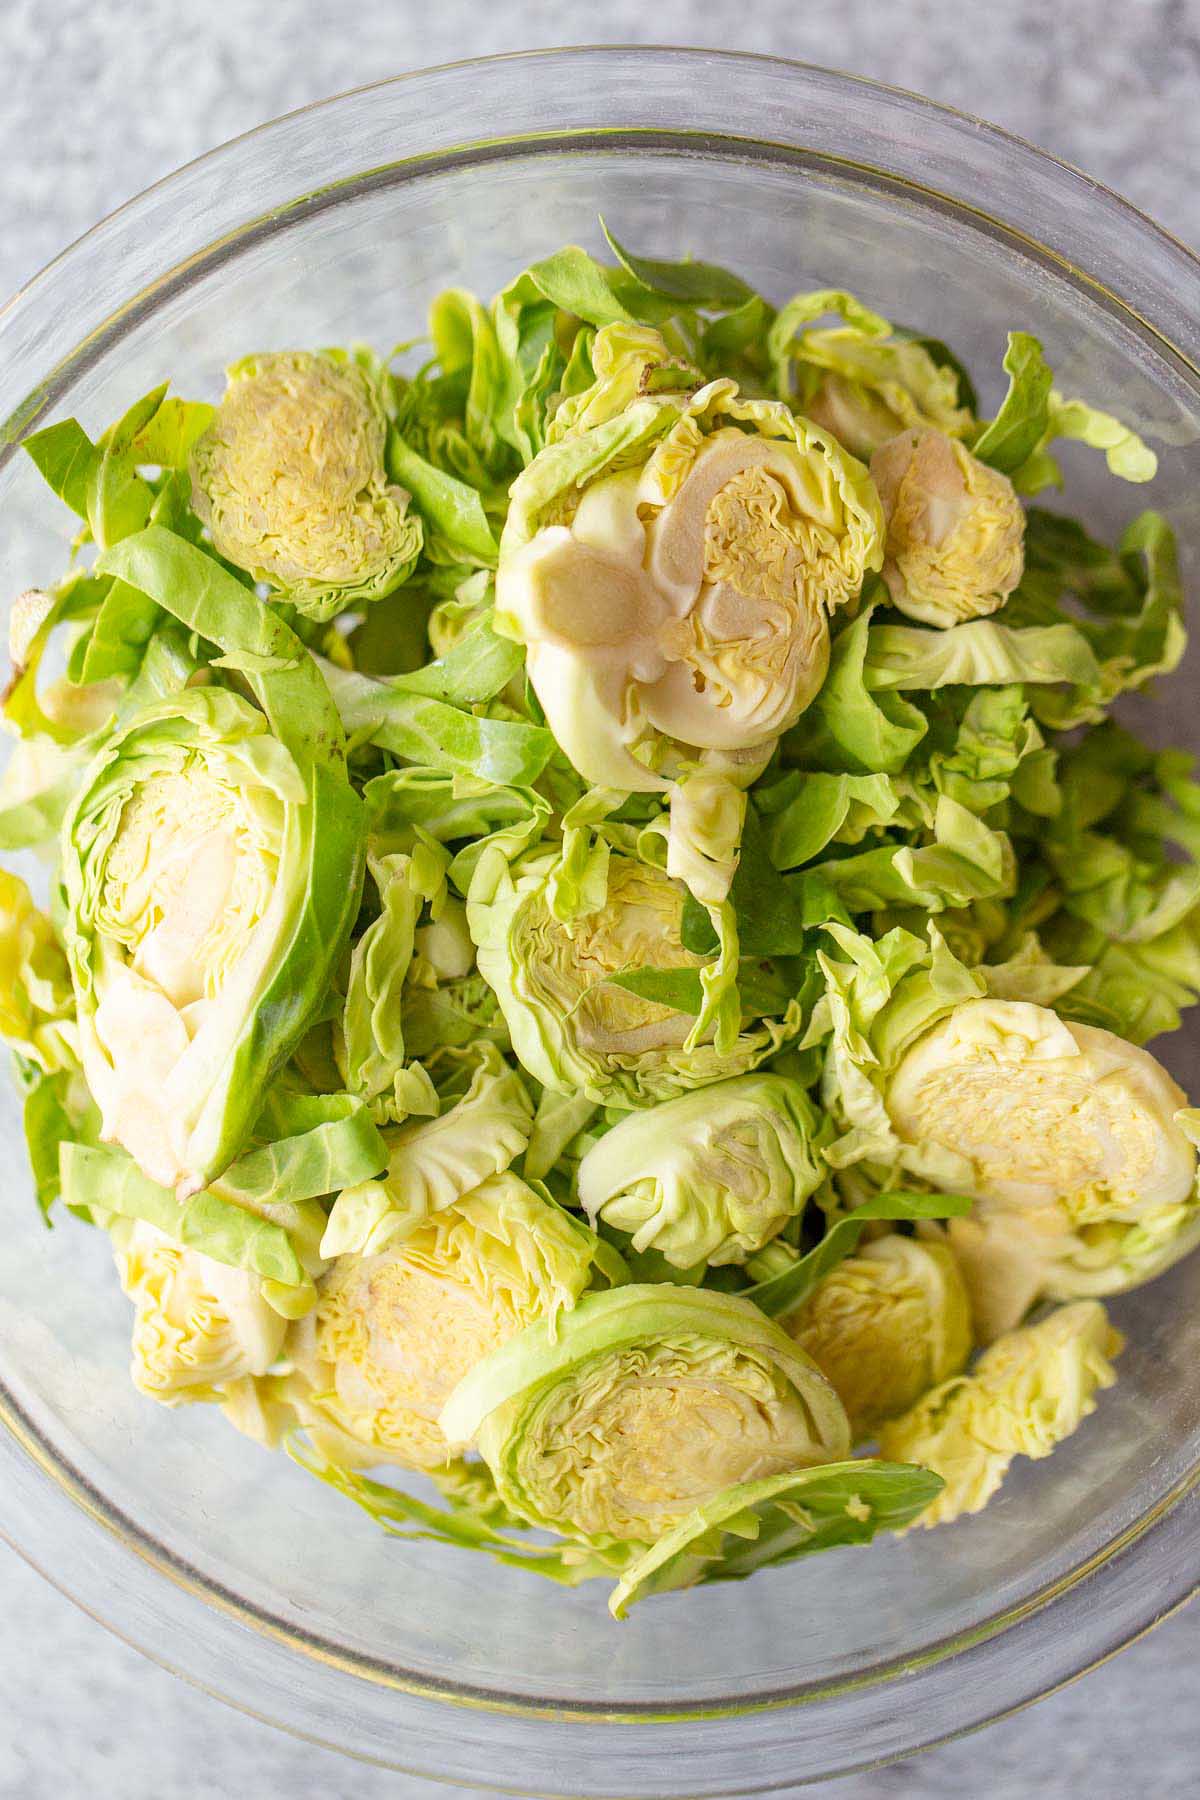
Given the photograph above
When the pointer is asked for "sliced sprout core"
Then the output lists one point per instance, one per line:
(1046, 1112)
(680, 602)
(573, 1027)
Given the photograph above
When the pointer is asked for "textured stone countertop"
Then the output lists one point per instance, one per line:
(101, 98)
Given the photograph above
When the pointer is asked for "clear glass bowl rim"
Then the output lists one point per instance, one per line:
(1074, 223)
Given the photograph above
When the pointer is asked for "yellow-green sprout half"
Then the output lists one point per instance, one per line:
(1066, 1137)
(571, 1025)
(642, 1404)
(955, 529)
(189, 887)
(711, 1176)
(393, 1332)
(36, 1003)
(290, 480)
(671, 562)
(886, 1325)
(198, 1324)
(1027, 1393)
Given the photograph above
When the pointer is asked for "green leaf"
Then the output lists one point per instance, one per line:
(580, 285)
(803, 309)
(806, 811)
(106, 1178)
(692, 283)
(980, 652)
(735, 344)
(968, 860)
(1127, 456)
(775, 913)
(123, 627)
(437, 736)
(475, 670)
(63, 455)
(451, 506)
(783, 1293)
(56, 1110)
(118, 499)
(27, 823)
(196, 590)
(849, 726)
(472, 1523)
(370, 1044)
(777, 1520)
(942, 357)
(165, 441)
(339, 1149)
(677, 988)
(1024, 416)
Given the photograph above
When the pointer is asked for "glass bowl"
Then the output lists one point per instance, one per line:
(235, 1568)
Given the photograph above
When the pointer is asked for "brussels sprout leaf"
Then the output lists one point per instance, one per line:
(691, 283)
(778, 1520)
(783, 1293)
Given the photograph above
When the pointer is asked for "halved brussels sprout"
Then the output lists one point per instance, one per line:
(394, 1331)
(290, 480)
(197, 1323)
(640, 1405)
(955, 529)
(671, 561)
(572, 1027)
(1067, 1138)
(887, 1324)
(209, 889)
(36, 1003)
(1028, 1392)
(709, 1177)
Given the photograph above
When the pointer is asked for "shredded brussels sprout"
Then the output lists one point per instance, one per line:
(601, 934)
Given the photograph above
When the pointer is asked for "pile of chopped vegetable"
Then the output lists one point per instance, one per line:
(601, 932)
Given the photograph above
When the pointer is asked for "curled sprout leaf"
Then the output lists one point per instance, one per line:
(433, 1163)
(861, 379)
(709, 1177)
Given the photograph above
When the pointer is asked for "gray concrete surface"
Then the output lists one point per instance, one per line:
(102, 97)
